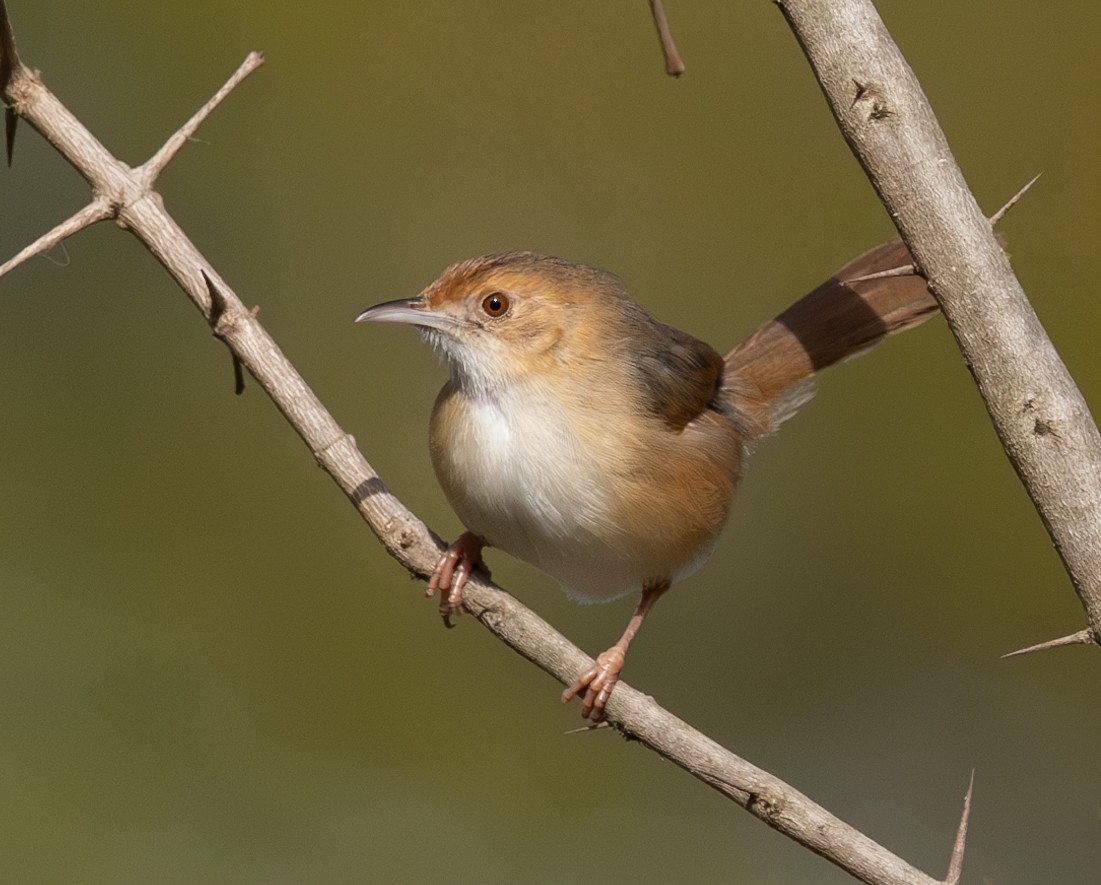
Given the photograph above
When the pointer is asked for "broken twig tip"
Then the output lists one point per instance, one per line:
(674, 67)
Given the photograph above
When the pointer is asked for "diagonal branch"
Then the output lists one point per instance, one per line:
(140, 210)
(1040, 416)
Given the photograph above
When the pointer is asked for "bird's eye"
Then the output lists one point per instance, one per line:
(495, 304)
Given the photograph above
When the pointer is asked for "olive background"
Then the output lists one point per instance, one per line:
(211, 672)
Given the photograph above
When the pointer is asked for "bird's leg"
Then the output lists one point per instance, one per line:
(598, 681)
(452, 570)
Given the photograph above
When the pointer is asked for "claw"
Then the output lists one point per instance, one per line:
(452, 572)
(597, 683)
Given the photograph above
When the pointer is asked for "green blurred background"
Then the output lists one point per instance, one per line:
(209, 670)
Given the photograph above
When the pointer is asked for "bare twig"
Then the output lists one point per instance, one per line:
(674, 67)
(153, 167)
(1038, 413)
(95, 211)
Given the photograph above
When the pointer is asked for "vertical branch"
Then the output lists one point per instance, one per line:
(1040, 416)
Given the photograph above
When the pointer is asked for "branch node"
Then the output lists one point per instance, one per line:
(879, 109)
(349, 442)
(767, 803)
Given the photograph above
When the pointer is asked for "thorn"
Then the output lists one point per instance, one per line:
(217, 299)
(904, 270)
(1082, 637)
(1001, 213)
(595, 726)
(218, 304)
(955, 863)
(238, 376)
(861, 91)
(9, 61)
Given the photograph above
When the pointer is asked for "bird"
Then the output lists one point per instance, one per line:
(582, 435)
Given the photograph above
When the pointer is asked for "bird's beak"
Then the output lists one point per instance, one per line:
(414, 311)
(404, 310)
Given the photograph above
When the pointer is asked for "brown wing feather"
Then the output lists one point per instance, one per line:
(679, 374)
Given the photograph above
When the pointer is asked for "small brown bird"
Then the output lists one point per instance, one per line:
(580, 434)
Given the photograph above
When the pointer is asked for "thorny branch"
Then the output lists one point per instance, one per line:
(1039, 414)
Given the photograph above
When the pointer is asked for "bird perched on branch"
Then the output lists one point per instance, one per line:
(579, 434)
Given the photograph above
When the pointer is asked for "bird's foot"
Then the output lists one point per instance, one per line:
(597, 683)
(452, 570)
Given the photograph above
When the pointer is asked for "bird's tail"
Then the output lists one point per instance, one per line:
(770, 374)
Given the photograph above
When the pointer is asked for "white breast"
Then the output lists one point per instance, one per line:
(516, 475)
